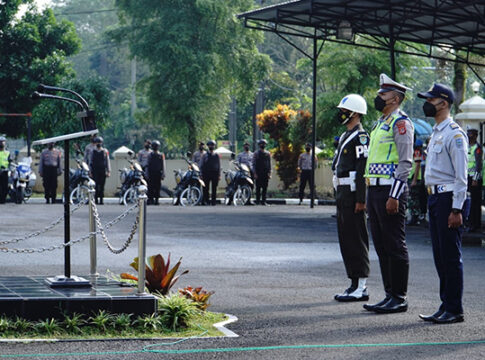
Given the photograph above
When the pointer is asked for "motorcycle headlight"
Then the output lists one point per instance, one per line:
(228, 178)
(178, 178)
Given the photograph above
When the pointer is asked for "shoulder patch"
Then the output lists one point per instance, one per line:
(457, 136)
(363, 139)
(459, 142)
(401, 126)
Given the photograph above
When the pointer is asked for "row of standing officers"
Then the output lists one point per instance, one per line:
(371, 172)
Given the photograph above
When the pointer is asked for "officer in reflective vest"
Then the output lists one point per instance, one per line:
(4, 162)
(446, 178)
(388, 167)
(349, 183)
(475, 158)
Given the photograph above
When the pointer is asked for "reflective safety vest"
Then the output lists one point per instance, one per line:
(4, 158)
(383, 156)
(472, 166)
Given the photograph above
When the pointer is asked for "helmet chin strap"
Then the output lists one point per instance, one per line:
(350, 117)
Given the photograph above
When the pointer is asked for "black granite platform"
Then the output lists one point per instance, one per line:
(31, 298)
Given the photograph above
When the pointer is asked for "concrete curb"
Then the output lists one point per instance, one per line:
(165, 201)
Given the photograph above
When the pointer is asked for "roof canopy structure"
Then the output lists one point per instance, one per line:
(448, 24)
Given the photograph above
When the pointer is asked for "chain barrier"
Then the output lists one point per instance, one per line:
(101, 231)
(43, 231)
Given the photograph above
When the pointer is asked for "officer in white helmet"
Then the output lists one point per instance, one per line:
(349, 167)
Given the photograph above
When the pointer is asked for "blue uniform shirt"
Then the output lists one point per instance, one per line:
(447, 161)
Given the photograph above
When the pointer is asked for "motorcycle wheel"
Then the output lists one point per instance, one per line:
(80, 194)
(28, 193)
(242, 195)
(228, 198)
(19, 196)
(130, 197)
(190, 196)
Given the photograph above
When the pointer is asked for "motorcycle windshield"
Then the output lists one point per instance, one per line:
(24, 168)
(27, 161)
(244, 167)
(85, 166)
(137, 167)
(195, 167)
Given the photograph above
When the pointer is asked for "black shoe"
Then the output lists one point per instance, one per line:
(345, 293)
(449, 318)
(53, 201)
(47, 201)
(394, 305)
(355, 295)
(431, 317)
(371, 307)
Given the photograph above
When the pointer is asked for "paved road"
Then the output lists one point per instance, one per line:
(276, 268)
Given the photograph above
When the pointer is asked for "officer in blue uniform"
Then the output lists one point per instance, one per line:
(446, 178)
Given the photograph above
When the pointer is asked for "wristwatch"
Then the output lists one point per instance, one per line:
(456, 211)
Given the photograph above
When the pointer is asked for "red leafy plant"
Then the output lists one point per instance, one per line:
(197, 295)
(159, 278)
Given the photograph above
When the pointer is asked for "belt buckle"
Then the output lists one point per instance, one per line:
(430, 191)
(367, 181)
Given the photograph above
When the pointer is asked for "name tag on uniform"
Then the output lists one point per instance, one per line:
(385, 127)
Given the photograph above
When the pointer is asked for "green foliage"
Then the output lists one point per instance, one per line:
(159, 276)
(122, 322)
(47, 326)
(197, 295)
(176, 310)
(290, 129)
(149, 322)
(21, 325)
(32, 50)
(101, 320)
(73, 323)
(5, 324)
(199, 56)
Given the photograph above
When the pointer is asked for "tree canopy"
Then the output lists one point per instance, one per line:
(199, 56)
(33, 50)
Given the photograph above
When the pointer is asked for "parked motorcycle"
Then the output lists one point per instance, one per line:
(188, 191)
(78, 183)
(131, 179)
(239, 185)
(21, 180)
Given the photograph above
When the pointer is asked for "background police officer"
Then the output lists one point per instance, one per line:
(262, 171)
(305, 170)
(387, 170)
(446, 178)
(5, 160)
(49, 170)
(246, 156)
(100, 168)
(475, 158)
(143, 154)
(155, 172)
(415, 180)
(349, 168)
(197, 156)
(211, 172)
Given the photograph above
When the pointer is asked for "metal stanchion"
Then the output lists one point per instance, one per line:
(142, 205)
(92, 230)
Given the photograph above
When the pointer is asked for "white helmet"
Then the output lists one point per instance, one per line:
(355, 103)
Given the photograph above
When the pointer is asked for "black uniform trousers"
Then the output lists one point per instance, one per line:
(475, 217)
(50, 182)
(352, 234)
(261, 188)
(154, 184)
(388, 234)
(3, 186)
(211, 178)
(446, 252)
(305, 177)
(99, 177)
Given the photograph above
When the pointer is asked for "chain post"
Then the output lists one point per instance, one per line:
(142, 207)
(92, 232)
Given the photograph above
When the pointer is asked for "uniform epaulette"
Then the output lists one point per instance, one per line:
(454, 125)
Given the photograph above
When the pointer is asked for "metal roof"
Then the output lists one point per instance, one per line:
(451, 23)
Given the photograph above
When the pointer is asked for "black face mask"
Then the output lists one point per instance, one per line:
(211, 148)
(147, 147)
(246, 148)
(307, 149)
(343, 117)
(98, 146)
(201, 148)
(379, 103)
(429, 109)
(51, 147)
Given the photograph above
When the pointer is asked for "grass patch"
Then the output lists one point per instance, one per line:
(200, 324)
